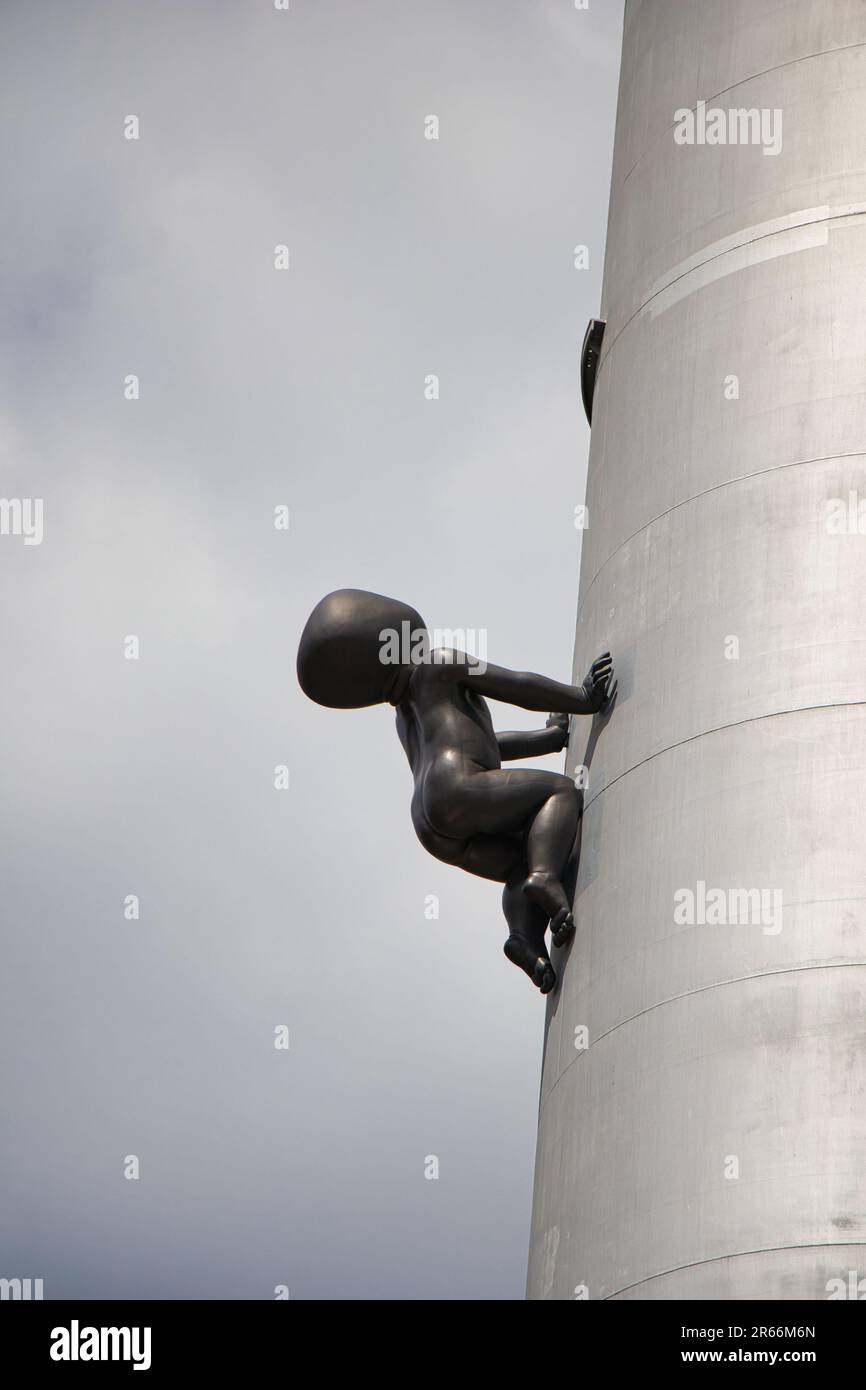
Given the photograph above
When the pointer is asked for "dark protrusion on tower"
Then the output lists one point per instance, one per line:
(589, 359)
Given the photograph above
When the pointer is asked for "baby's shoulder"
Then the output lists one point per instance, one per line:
(438, 673)
(445, 658)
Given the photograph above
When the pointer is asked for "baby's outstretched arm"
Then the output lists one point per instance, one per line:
(534, 743)
(530, 691)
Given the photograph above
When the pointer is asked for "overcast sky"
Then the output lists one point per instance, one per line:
(154, 777)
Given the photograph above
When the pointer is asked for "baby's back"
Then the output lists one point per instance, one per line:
(443, 724)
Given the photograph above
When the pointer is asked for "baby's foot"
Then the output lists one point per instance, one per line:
(547, 891)
(561, 927)
(538, 967)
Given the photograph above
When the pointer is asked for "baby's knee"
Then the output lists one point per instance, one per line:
(566, 790)
(567, 802)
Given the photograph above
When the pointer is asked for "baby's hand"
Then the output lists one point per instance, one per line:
(560, 722)
(597, 687)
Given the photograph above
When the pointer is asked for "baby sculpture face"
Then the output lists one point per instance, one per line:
(346, 656)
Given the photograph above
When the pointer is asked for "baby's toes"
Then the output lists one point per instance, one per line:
(562, 928)
(544, 975)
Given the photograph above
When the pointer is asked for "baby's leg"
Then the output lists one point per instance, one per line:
(543, 805)
(527, 923)
(501, 857)
(551, 845)
(565, 930)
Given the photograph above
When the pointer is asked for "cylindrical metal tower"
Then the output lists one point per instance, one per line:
(710, 1141)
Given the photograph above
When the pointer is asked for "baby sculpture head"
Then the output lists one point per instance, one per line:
(357, 649)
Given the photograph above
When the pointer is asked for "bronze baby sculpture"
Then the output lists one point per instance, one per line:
(517, 827)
